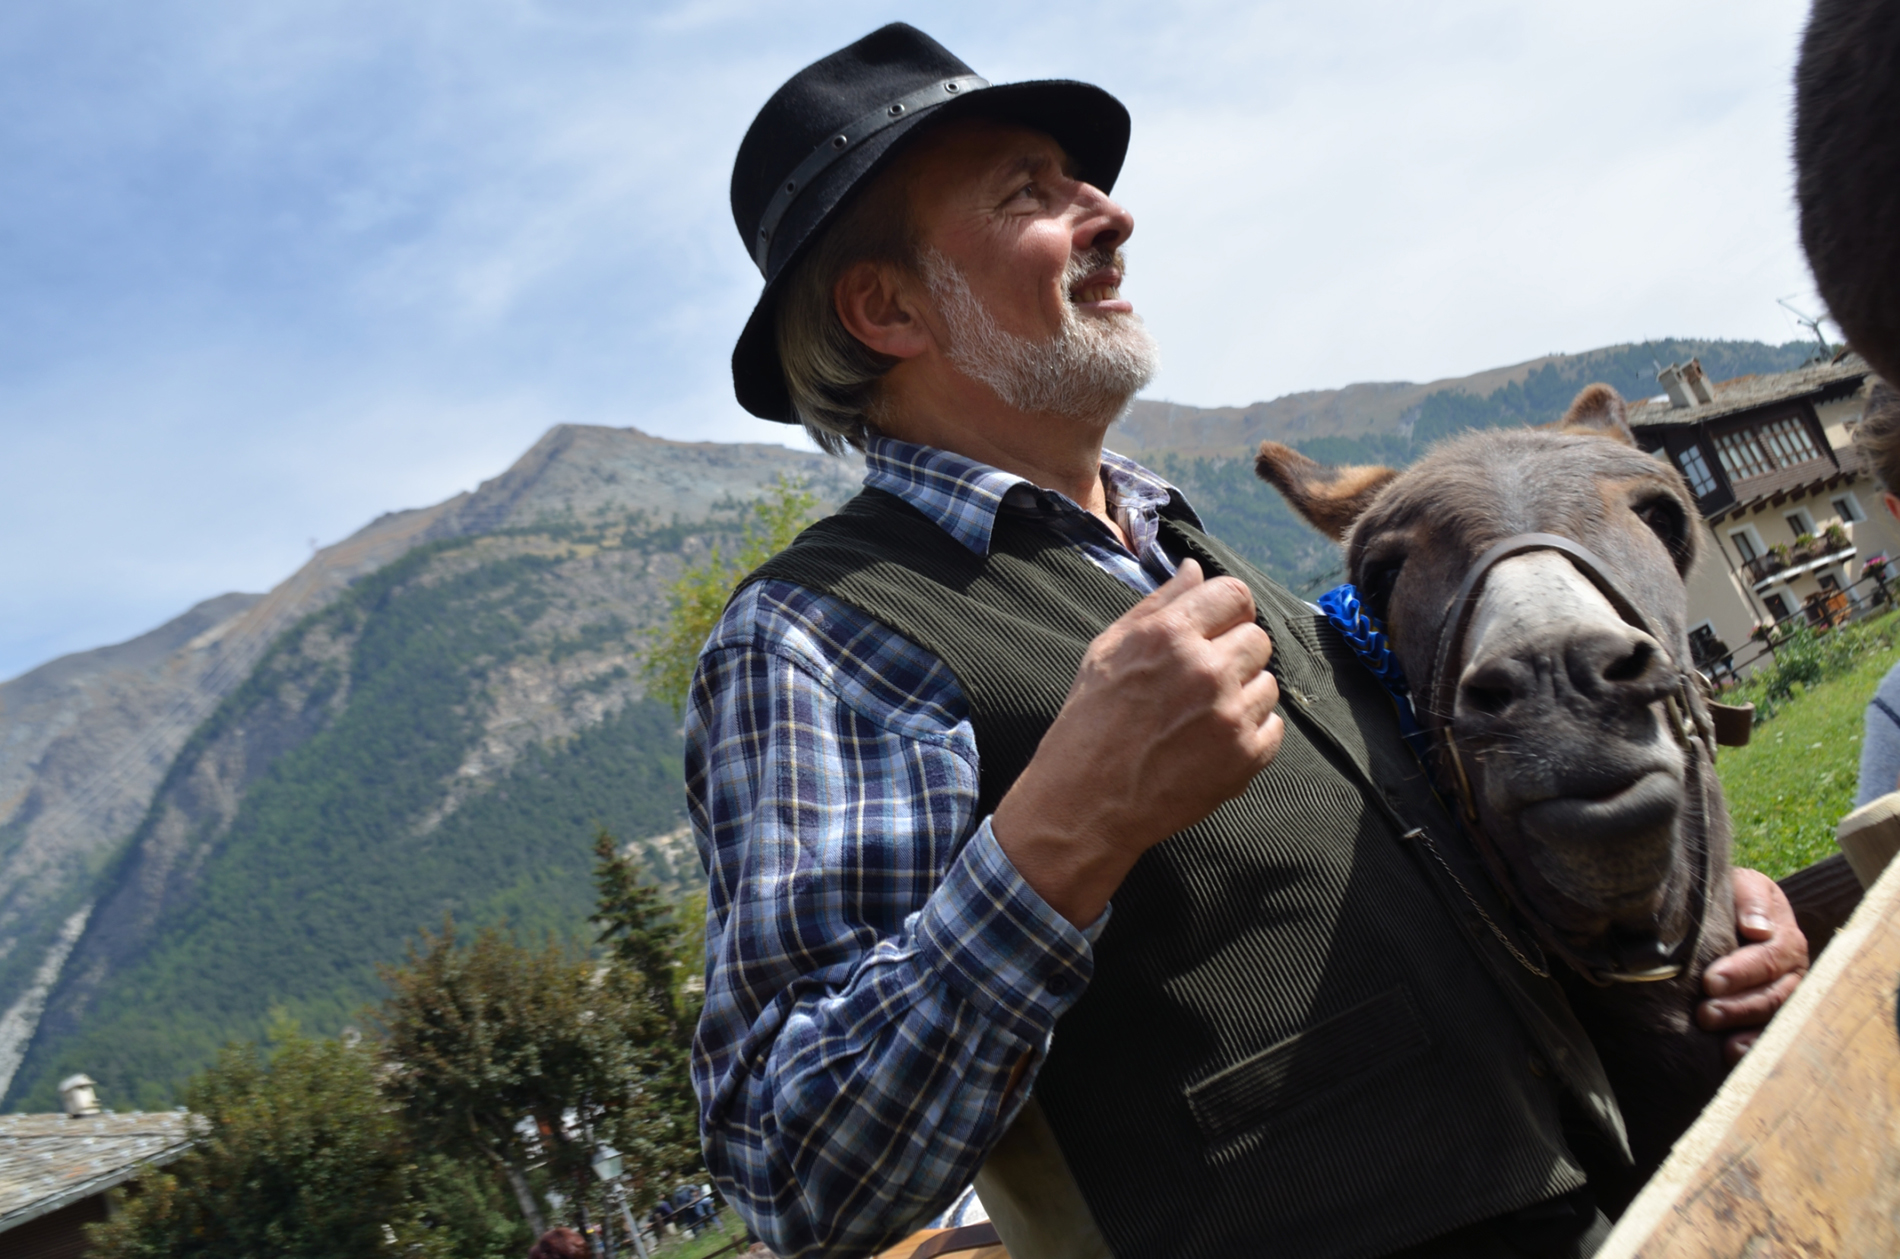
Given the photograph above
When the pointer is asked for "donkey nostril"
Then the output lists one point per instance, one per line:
(1489, 700)
(1633, 665)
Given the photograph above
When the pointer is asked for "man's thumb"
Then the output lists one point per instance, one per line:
(1185, 578)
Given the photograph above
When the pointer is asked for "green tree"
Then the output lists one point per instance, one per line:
(295, 1154)
(657, 946)
(519, 1056)
(699, 595)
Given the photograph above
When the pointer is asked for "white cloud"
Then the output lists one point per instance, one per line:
(274, 269)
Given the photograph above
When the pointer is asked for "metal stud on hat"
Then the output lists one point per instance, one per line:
(848, 138)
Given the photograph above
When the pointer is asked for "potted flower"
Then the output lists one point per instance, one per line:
(1805, 548)
(1836, 535)
(1875, 567)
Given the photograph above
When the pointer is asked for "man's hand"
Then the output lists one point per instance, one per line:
(1170, 715)
(1749, 985)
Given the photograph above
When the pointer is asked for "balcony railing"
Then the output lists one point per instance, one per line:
(1823, 551)
(1762, 567)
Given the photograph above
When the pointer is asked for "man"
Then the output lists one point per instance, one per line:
(1013, 681)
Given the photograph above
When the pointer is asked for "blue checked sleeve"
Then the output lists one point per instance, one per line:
(878, 974)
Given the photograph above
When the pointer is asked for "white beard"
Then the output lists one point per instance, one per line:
(1088, 371)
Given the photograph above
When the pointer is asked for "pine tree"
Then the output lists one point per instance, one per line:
(644, 934)
(522, 1057)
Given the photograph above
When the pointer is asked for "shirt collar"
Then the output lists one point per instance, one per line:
(963, 496)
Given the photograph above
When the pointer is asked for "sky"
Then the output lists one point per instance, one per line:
(270, 270)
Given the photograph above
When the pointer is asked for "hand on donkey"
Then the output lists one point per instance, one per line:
(1747, 986)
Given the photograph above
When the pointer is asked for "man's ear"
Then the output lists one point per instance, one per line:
(1330, 498)
(878, 308)
(1598, 411)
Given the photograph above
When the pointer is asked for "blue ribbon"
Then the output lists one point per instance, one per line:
(1366, 636)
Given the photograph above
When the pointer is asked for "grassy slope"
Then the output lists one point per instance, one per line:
(1796, 778)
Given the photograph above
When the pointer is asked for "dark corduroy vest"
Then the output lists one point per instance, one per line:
(1301, 1038)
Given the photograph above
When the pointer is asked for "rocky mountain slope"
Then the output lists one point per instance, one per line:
(86, 740)
(255, 804)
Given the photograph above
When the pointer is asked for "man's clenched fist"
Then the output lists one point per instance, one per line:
(1170, 715)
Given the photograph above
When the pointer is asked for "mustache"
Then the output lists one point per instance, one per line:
(1084, 263)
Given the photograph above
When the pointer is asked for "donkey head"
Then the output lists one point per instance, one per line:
(1554, 701)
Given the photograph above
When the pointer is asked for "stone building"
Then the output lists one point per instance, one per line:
(56, 1170)
(1790, 516)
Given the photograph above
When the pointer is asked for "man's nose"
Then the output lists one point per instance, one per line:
(1102, 223)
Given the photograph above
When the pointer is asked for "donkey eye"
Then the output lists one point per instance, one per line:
(1375, 587)
(1665, 519)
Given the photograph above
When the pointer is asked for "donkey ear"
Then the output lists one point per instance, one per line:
(1599, 412)
(1330, 498)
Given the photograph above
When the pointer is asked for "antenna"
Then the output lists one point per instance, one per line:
(1809, 322)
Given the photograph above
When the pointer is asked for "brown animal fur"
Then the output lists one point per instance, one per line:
(1583, 478)
(1598, 411)
(1330, 498)
(1847, 169)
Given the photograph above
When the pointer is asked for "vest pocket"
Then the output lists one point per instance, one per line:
(1373, 1034)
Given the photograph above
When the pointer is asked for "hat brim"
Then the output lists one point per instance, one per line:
(1091, 126)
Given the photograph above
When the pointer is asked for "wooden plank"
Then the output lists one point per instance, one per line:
(972, 1241)
(1799, 1154)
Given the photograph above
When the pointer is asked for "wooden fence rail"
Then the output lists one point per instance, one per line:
(1799, 1154)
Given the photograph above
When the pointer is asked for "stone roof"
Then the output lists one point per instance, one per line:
(1746, 392)
(51, 1161)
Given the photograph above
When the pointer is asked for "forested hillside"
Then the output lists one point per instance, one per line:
(447, 737)
(1260, 525)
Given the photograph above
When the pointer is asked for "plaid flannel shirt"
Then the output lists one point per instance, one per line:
(877, 971)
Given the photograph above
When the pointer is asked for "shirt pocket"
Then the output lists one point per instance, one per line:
(1374, 1035)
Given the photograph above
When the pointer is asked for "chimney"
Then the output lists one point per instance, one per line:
(1673, 385)
(1697, 381)
(75, 1093)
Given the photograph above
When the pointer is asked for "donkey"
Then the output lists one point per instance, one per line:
(1531, 584)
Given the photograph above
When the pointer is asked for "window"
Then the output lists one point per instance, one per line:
(1776, 605)
(1799, 522)
(1695, 469)
(1847, 507)
(1789, 442)
(1747, 542)
(1757, 451)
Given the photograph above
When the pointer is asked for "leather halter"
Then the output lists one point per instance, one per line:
(1687, 724)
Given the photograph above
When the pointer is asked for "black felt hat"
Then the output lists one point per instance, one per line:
(836, 122)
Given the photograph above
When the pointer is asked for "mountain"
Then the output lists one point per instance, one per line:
(101, 766)
(1208, 452)
(85, 739)
(1531, 392)
(255, 804)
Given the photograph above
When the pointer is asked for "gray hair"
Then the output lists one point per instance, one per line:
(832, 376)
(1878, 435)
